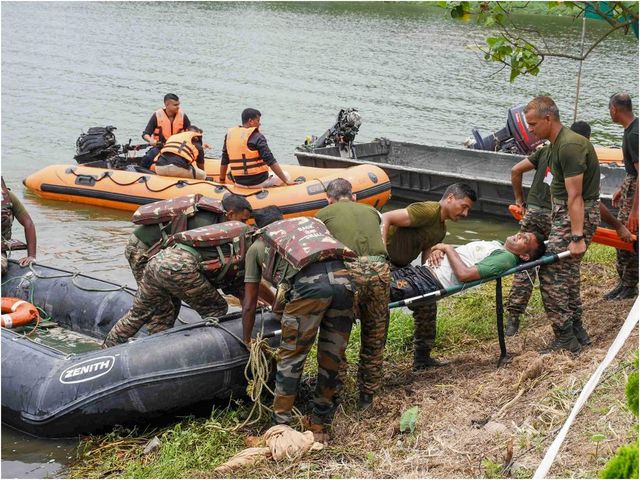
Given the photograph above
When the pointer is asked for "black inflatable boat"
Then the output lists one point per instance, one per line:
(51, 390)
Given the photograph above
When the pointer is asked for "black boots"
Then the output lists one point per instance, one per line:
(422, 360)
(565, 339)
(513, 323)
(580, 333)
(620, 292)
(613, 293)
(627, 292)
(365, 401)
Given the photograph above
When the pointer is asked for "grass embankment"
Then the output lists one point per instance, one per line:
(473, 419)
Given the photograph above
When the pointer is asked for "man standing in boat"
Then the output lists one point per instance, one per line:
(163, 123)
(575, 198)
(246, 154)
(12, 208)
(412, 231)
(358, 227)
(626, 198)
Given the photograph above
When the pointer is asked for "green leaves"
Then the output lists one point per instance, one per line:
(408, 420)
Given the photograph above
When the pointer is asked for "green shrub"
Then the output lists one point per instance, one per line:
(625, 462)
(623, 465)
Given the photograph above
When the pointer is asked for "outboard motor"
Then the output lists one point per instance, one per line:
(99, 143)
(342, 134)
(514, 138)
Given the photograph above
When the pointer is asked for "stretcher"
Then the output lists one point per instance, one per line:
(432, 297)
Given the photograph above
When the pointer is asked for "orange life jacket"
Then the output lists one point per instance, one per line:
(165, 127)
(180, 144)
(242, 161)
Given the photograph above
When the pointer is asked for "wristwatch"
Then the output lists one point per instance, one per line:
(577, 238)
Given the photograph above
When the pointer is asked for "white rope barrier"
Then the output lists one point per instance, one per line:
(623, 334)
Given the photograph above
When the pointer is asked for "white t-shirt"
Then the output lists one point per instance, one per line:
(470, 254)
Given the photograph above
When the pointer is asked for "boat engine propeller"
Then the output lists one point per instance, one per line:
(514, 138)
(341, 134)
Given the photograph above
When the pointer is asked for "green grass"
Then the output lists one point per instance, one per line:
(194, 447)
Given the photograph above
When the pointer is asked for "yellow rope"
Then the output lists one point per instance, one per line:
(256, 372)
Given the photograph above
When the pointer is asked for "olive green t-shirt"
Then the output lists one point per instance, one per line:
(16, 205)
(404, 244)
(498, 262)
(539, 193)
(18, 211)
(571, 155)
(257, 257)
(150, 234)
(356, 225)
(630, 148)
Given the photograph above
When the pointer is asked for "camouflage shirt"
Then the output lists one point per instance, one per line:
(257, 259)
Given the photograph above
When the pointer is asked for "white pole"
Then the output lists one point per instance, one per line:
(575, 108)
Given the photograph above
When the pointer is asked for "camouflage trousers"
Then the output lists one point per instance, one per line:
(538, 220)
(424, 333)
(560, 281)
(171, 273)
(136, 254)
(372, 280)
(627, 262)
(320, 298)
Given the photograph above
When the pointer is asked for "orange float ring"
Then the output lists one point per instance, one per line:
(17, 312)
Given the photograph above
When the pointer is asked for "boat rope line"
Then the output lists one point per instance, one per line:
(256, 373)
(145, 179)
(624, 333)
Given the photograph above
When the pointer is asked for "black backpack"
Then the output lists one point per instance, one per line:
(99, 143)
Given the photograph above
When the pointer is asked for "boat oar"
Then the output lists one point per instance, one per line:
(445, 292)
(603, 236)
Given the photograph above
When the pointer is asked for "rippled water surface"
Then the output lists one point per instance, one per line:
(407, 67)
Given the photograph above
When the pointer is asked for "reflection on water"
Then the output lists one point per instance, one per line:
(407, 67)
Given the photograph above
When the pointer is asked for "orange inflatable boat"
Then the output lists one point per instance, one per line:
(127, 190)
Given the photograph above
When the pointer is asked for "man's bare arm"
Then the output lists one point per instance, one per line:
(518, 170)
(462, 272)
(399, 218)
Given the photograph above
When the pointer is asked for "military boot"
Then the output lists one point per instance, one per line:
(627, 292)
(565, 340)
(513, 323)
(422, 360)
(319, 431)
(613, 293)
(365, 401)
(580, 333)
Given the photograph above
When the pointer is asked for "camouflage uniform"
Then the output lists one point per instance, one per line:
(424, 336)
(172, 272)
(136, 254)
(627, 262)
(534, 220)
(560, 281)
(320, 298)
(372, 279)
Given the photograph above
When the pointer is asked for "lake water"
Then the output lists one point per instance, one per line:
(408, 68)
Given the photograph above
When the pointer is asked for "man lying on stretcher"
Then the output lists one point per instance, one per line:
(447, 266)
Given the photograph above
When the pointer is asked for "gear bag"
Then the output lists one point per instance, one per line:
(172, 215)
(99, 143)
(231, 240)
(300, 241)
